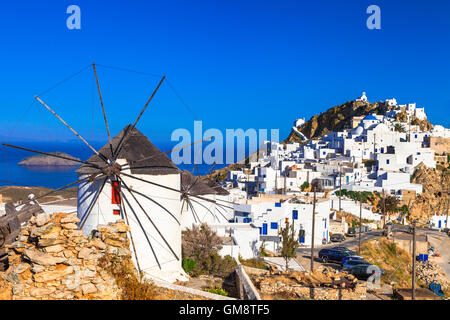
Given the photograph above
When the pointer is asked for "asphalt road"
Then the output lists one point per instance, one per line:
(351, 243)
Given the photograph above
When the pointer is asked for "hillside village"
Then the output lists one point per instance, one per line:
(378, 153)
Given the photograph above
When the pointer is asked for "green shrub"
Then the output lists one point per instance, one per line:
(189, 264)
(305, 185)
(254, 263)
(217, 290)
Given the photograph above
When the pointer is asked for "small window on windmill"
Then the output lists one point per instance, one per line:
(116, 212)
(115, 196)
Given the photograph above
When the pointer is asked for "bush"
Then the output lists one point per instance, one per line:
(189, 264)
(304, 186)
(217, 290)
(254, 263)
(202, 245)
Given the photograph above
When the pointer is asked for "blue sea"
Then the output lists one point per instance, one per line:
(11, 174)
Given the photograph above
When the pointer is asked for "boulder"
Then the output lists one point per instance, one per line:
(41, 258)
(59, 272)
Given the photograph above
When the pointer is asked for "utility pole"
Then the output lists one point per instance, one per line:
(384, 209)
(413, 296)
(313, 225)
(248, 182)
(360, 224)
(340, 186)
(446, 218)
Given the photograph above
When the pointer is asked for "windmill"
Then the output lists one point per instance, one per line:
(206, 210)
(129, 178)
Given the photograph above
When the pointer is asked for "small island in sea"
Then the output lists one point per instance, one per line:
(44, 160)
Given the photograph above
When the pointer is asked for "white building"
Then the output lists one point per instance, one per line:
(270, 217)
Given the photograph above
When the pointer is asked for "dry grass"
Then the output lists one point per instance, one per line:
(386, 255)
(254, 263)
(134, 287)
(127, 279)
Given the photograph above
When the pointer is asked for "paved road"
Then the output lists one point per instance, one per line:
(441, 242)
(351, 243)
(304, 254)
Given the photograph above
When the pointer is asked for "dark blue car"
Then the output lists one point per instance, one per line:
(333, 255)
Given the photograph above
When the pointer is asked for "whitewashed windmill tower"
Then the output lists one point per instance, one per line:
(123, 196)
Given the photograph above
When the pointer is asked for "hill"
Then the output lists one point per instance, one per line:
(339, 117)
(44, 160)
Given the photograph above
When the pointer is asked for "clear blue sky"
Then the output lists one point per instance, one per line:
(236, 63)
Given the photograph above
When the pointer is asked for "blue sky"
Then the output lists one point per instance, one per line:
(236, 64)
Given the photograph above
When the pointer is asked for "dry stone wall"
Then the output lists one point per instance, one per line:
(52, 259)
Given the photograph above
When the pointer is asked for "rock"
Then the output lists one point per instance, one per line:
(72, 262)
(21, 268)
(98, 244)
(54, 249)
(88, 288)
(85, 253)
(43, 259)
(59, 272)
(48, 229)
(12, 277)
(122, 227)
(51, 242)
(106, 229)
(114, 243)
(39, 292)
(18, 289)
(72, 283)
(42, 219)
(70, 226)
(71, 218)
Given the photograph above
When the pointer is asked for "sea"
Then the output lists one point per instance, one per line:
(12, 174)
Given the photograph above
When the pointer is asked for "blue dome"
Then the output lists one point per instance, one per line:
(370, 117)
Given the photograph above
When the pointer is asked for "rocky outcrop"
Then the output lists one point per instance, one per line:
(340, 116)
(44, 160)
(433, 197)
(335, 119)
(51, 259)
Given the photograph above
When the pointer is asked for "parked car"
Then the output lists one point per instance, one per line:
(333, 255)
(352, 258)
(341, 248)
(347, 265)
(337, 237)
(352, 232)
(362, 272)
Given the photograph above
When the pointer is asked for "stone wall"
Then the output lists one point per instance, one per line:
(52, 259)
